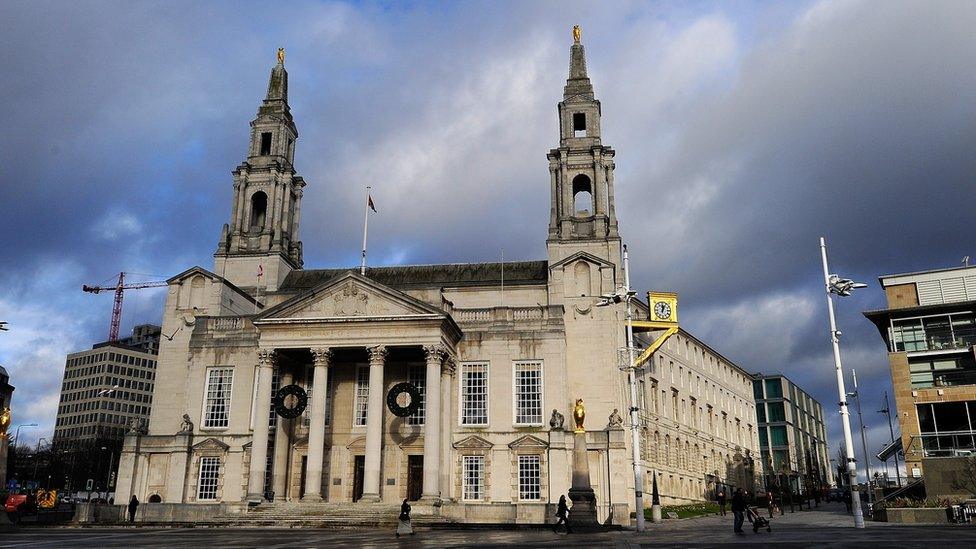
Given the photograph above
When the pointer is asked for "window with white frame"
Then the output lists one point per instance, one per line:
(528, 393)
(417, 376)
(329, 393)
(473, 478)
(529, 478)
(217, 395)
(209, 474)
(362, 394)
(474, 394)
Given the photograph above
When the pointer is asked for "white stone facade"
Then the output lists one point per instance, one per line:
(494, 361)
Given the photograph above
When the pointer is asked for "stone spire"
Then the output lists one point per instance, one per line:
(578, 84)
(277, 98)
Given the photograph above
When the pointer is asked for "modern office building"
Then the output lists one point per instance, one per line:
(929, 331)
(6, 395)
(108, 389)
(792, 435)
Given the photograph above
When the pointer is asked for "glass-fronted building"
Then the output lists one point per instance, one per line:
(792, 436)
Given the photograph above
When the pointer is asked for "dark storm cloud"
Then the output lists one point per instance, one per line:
(741, 137)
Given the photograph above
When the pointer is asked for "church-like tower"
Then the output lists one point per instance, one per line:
(582, 217)
(262, 237)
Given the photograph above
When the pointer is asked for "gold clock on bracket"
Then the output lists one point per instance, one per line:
(664, 306)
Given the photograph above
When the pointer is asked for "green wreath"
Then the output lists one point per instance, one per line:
(403, 411)
(300, 404)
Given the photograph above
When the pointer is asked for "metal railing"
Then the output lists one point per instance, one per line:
(944, 444)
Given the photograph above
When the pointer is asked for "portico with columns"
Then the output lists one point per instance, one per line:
(351, 329)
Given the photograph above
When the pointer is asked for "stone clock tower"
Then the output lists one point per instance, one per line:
(262, 236)
(582, 217)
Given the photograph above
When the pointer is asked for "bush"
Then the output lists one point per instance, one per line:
(937, 502)
(686, 511)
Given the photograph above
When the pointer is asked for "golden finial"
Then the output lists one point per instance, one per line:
(281, 56)
(577, 32)
(579, 413)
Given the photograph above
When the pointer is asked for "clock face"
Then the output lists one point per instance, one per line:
(662, 310)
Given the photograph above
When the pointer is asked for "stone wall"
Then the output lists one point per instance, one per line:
(911, 516)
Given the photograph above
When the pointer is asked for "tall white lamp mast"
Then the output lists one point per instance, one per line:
(634, 420)
(842, 287)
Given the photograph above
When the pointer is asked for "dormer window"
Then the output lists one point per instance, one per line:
(579, 124)
(265, 144)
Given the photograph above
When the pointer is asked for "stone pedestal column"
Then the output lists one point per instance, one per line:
(374, 425)
(583, 512)
(259, 439)
(316, 429)
(280, 461)
(432, 427)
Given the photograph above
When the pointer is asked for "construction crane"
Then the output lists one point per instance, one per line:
(119, 288)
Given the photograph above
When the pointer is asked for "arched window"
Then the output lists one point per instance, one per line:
(196, 292)
(259, 209)
(582, 275)
(582, 195)
(155, 499)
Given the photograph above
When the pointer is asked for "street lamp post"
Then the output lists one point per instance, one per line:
(842, 287)
(887, 411)
(37, 456)
(864, 442)
(17, 433)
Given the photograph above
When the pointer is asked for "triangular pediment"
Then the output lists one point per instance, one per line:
(350, 296)
(585, 256)
(211, 444)
(473, 442)
(527, 442)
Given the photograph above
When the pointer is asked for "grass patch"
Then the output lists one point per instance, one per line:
(686, 511)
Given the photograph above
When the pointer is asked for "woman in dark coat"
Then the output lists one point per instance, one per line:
(133, 505)
(403, 526)
(562, 513)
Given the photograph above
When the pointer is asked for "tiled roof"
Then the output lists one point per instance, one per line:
(453, 274)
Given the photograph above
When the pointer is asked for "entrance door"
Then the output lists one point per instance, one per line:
(301, 486)
(415, 477)
(357, 478)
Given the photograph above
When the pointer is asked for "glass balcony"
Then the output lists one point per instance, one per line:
(944, 332)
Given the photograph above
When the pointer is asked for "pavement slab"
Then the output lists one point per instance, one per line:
(827, 526)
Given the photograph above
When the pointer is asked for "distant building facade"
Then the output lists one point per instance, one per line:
(698, 422)
(6, 396)
(792, 433)
(108, 389)
(929, 330)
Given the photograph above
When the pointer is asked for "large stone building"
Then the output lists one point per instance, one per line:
(792, 434)
(498, 366)
(6, 397)
(929, 330)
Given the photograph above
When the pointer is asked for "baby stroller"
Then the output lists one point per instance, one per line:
(757, 520)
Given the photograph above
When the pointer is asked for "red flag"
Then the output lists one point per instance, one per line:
(260, 271)
(369, 201)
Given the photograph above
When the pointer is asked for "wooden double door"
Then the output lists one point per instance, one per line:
(415, 477)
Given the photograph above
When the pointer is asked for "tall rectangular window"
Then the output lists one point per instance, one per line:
(474, 394)
(362, 394)
(528, 393)
(417, 375)
(217, 395)
(209, 474)
(265, 144)
(473, 478)
(529, 469)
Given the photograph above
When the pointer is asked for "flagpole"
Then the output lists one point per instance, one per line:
(362, 266)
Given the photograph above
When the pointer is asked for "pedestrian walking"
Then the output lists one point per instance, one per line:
(769, 503)
(847, 500)
(721, 501)
(562, 516)
(738, 510)
(133, 505)
(403, 526)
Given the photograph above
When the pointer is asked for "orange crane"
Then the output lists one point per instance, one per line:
(120, 286)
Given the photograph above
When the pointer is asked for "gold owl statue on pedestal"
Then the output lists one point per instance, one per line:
(579, 414)
(4, 422)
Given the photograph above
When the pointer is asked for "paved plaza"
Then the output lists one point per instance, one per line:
(824, 527)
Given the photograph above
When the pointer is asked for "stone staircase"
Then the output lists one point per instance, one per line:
(330, 515)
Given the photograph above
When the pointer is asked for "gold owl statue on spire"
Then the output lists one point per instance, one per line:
(577, 33)
(579, 414)
(281, 56)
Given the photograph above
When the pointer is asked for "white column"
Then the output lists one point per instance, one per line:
(280, 462)
(432, 427)
(446, 444)
(316, 429)
(374, 425)
(259, 439)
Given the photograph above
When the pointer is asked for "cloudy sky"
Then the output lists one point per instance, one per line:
(743, 132)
